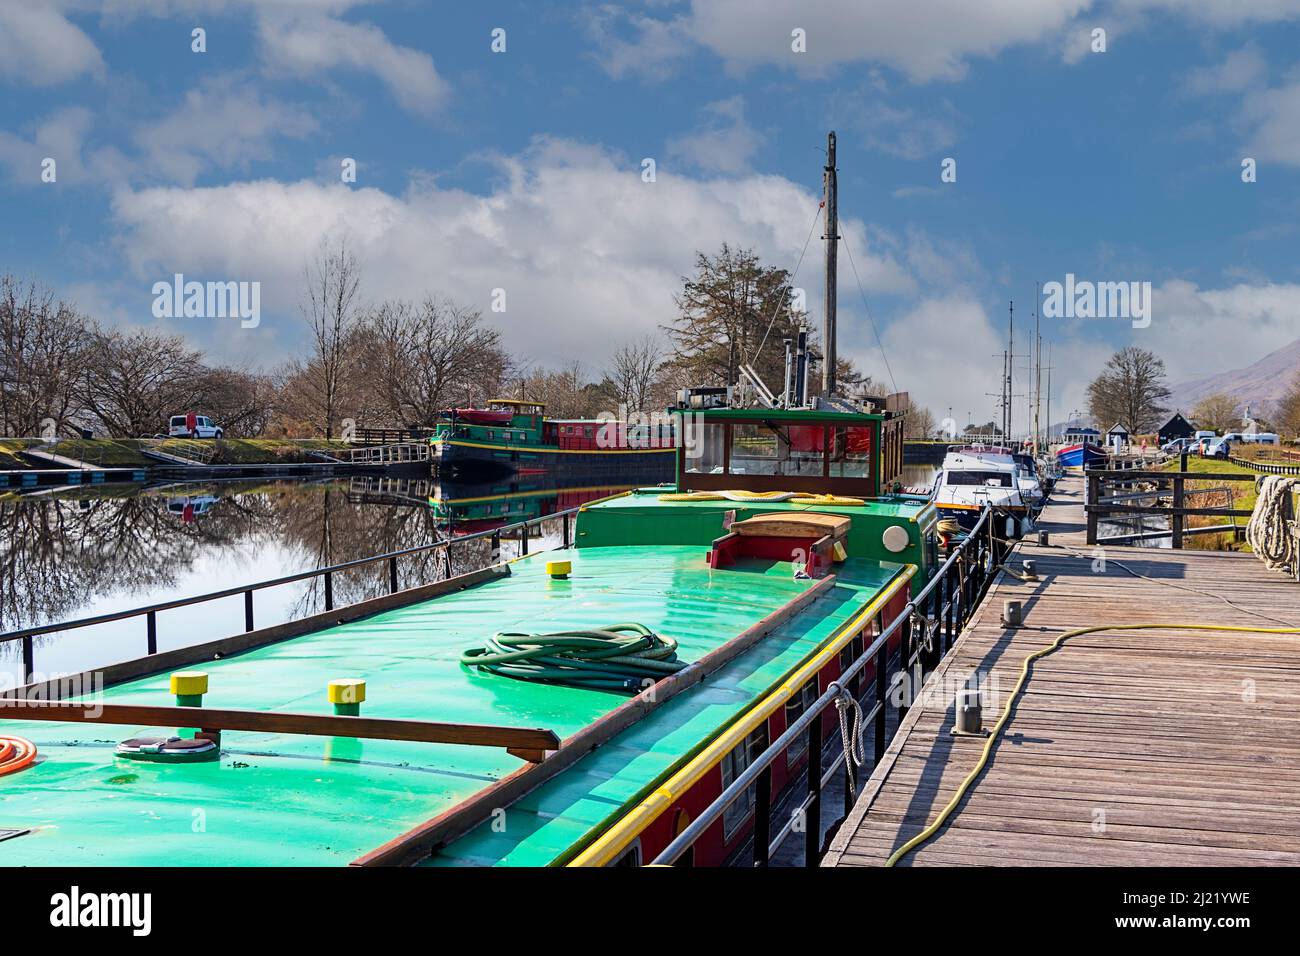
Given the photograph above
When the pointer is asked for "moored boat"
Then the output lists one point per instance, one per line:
(761, 568)
(1076, 457)
(515, 436)
(976, 477)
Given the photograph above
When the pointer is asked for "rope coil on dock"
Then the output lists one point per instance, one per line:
(1268, 533)
(621, 657)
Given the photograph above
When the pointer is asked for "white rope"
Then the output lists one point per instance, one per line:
(1269, 534)
(854, 756)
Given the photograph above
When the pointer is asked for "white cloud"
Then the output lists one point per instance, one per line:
(223, 123)
(41, 46)
(318, 45)
(1203, 331)
(1240, 70)
(904, 133)
(61, 137)
(589, 255)
(650, 53)
(1273, 116)
(925, 40)
(724, 142)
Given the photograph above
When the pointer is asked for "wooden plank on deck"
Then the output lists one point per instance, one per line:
(1128, 748)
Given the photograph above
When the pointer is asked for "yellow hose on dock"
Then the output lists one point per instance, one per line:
(966, 784)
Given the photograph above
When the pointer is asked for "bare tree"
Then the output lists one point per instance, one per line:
(634, 373)
(1131, 390)
(1287, 412)
(44, 347)
(919, 423)
(1217, 411)
(136, 380)
(241, 402)
(422, 359)
(332, 314)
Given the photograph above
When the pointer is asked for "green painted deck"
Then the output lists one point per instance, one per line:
(552, 822)
(284, 799)
(642, 518)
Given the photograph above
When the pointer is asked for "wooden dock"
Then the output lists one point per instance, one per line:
(1127, 748)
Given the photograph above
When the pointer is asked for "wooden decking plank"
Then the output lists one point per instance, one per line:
(1188, 740)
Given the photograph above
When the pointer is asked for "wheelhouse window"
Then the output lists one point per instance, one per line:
(762, 448)
(733, 765)
(993, 479)
(851, 452)
(705, 452)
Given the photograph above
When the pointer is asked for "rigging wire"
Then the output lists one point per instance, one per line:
(862, 292)
(777, 310)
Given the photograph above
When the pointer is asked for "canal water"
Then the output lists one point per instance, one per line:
(94, 551)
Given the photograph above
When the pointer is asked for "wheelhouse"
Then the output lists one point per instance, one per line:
(840, 453)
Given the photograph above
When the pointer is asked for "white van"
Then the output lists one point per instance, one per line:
(180, 426)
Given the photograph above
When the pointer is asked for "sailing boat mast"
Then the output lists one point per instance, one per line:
(832, 235)
(1038, 370)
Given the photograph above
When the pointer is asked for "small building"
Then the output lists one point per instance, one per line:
(1177, 427)
(1117, 437)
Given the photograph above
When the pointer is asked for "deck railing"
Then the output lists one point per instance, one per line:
(928, 626)
(389, 436)
(1102, 502)
(149, 612)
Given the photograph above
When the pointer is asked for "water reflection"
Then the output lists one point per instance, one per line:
(88, 551)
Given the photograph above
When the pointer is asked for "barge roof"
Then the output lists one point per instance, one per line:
(279, 799)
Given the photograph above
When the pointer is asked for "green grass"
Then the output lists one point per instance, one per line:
(1243, 497)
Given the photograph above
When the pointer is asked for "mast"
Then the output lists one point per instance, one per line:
(832, 236)
(1038, 370)
(1049, 395)
(1011, 364)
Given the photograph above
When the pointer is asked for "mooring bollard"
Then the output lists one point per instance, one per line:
(968, 711)
(1043, 539)
(1030, 572)
(1012, 613)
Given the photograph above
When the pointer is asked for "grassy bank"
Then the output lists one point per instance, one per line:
(126, 452)
(1200, 494)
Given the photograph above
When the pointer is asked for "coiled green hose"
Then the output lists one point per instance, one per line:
(625, 657)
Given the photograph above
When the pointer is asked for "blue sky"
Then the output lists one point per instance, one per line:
(522, 170)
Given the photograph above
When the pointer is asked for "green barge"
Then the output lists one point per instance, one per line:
(769, 586)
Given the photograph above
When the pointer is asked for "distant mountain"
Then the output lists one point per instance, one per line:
(1260, 384)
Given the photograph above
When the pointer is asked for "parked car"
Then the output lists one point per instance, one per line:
(1221, 447)
(1262, 438)
(1176, 446)
(191, 425)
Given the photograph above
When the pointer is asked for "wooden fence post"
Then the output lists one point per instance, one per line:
(1176, 522)
(1091, 499)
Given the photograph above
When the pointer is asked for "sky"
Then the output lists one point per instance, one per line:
(516, 161)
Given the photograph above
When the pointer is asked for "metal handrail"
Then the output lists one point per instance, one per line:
(810, 721)
(150, 610)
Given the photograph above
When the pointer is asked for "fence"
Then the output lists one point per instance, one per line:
(928, 626)
(1101, 502)
(150, 612)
